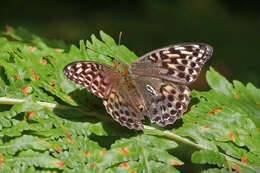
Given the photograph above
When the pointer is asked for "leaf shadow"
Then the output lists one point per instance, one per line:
(92, 110)
(86, 99)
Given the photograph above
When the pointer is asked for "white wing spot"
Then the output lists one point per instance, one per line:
(151, 90)
(90, 76)
(87, 70)
(165, 52)
(186, 52)
(94, 88)
(168, 88)
(79, 70)
(171, 65)
(78, 65)
(81, 79)
(202, 51)
(157, 54)
(173, 55)
(152, 58)
(98, 78)
(180, 48)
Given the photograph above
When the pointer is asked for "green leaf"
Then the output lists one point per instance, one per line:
(208, 156)
(35, 159)
(219, 83)
(23, 143)
(107, 39)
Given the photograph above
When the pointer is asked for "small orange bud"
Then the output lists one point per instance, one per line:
(231, 136)
(60, 163)
(57, 50)
(69, 98)
(16, 76)
(133, 171)
(31, 48)
(236, 167)
(124, 150)
(36, 77)
(215, 110)
(205, 127)
(43, 61)
(125, 165)
(175, 163)
(9, 28)
(32, 71)
(52, 82)
(25, 90)
(30, 114)
(244, 159)
(86, 153)
(94, 164)
(103, 152)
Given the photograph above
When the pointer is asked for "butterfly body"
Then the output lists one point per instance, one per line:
(153, 86)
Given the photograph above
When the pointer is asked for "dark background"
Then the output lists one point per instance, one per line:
(232, 27)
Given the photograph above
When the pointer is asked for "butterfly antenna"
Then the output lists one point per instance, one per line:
(117, 63)
(119, 38)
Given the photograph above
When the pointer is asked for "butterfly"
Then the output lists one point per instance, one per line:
(155, 85)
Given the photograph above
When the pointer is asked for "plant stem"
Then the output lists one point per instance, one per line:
(14, 101)
(175, 137)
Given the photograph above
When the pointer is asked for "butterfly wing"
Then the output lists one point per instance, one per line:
(161, 76)
(180, 63)
(122, 111)
(103, 81)
(165, 102)
(98, 78)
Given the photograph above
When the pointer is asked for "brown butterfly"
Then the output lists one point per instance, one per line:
(154, 85)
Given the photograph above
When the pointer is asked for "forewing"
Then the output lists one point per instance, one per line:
(165, 101)
(180, 63)
(122, 111)
(98, 78)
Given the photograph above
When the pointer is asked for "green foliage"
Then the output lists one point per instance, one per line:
(208, 156)
(49, 124)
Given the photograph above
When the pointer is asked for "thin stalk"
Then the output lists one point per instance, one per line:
(175, 137)
(178, 138)
(14, 101)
